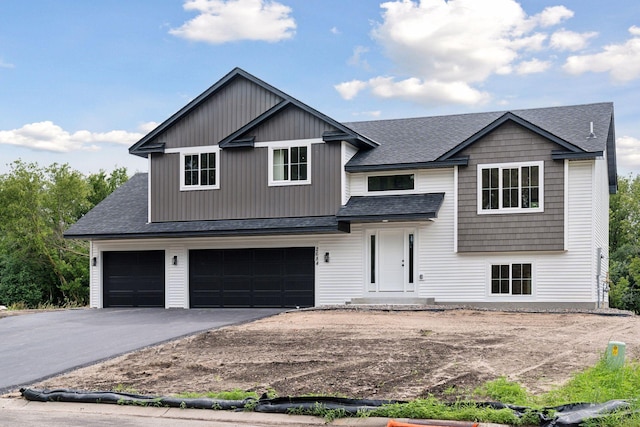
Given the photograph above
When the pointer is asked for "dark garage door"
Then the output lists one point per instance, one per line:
(275, 277)
(133, 279)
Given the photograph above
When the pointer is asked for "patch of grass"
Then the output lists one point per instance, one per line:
(236, 394)
(320, 410)
(123, 388)
(505, 391)
(17, 306)
(432, 408)
(598, 384)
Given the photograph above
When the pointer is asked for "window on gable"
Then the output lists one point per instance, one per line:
(509, 187)
(199, 171)
(511, 279)
(390, 182)
(290, 165)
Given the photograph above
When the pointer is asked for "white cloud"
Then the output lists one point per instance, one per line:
(552, 15)
(570, 40)
(4, 64)
(334, 30)
(532, 66)
(628, 153)
(376, 113)
(222, 21)
(47, 136)
(427, 92)
(349, 90)
(356, 59)
(442, 49)
(621, 61)
(148, 126)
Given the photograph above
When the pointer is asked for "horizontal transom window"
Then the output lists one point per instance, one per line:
(511, 187)
(390, 182)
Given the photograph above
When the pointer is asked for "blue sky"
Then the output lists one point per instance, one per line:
(81, 81)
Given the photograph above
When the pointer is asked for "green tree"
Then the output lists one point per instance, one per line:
(37, 205)
(102, 184)
(624, 245)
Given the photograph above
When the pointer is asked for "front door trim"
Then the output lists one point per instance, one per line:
(391, 260)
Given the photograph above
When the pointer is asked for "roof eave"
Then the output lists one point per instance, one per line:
(457, 161)
(584, 155)
(390, 218)
(342, 227)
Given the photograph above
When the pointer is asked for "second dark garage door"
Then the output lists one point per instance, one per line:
(273, 277)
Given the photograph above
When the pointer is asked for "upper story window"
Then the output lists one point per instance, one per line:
(199, 168)
(289, 165)
(390, 182)
(511, 187)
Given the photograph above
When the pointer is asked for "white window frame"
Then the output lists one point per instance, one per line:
(511, 295)
(519, 166)
(190, 151)
(390, 192)
(288, 145)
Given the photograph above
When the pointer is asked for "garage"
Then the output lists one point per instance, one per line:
(133, 279)
(264, 277)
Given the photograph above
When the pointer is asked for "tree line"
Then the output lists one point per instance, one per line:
(624, 245)
(38, 266)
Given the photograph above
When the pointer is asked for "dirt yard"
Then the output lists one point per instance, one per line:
(368, 354)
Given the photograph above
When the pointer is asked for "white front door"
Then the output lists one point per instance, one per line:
(391, 260)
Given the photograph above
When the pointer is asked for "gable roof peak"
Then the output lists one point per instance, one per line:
(147, 144)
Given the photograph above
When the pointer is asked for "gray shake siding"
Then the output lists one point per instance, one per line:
(518, 231)
(244, 190)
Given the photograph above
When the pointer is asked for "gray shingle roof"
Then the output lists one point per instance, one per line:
(425, 139)
(392, 208)
(123, 214)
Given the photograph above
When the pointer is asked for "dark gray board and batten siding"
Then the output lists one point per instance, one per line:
(232, 107)
(519, 231)
(244, 190)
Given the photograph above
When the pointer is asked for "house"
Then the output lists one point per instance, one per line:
(254, 199)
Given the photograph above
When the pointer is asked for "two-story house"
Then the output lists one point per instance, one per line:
(254, 199)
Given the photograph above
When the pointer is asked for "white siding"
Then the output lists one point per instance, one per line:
(348, 151)
(176, 293)
(342, 278)
(601, 221)
(95, 272)
(358, 184)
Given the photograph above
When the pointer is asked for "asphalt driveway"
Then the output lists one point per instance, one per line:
(40, 345)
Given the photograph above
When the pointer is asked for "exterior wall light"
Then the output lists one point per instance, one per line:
(326, 257)
(174, 261)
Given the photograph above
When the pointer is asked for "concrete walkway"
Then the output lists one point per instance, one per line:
(40, 345)
(20, 412)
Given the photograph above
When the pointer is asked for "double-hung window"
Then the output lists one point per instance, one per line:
(289, 165)
(511, 187)
(199, 169)
(511, 279)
